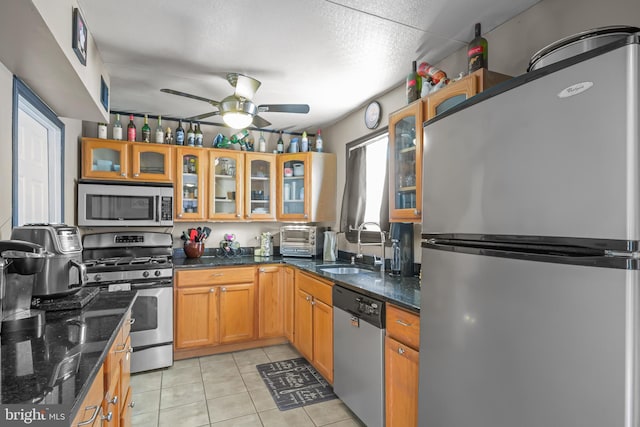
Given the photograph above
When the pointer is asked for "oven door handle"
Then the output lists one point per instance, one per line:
(152, 285)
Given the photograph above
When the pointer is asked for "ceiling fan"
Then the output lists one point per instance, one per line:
(237, 110)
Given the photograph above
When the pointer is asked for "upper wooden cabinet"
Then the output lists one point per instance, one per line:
(226, 179)
(460, 91)
(307, 187)
(192, 165)
(260, 186)
(406, 141)
(405, 166)
(120, 160)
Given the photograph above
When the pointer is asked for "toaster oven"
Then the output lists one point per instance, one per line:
(301, 240)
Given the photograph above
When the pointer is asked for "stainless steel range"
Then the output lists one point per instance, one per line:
(138, 261)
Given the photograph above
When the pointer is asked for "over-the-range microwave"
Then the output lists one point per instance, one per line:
(123, 204)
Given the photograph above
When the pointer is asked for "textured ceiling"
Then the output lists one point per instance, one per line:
(332, 55)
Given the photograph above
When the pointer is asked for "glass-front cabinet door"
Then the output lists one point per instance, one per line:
(151, 162)
(260, 196)
(294, 182)
(405, 167)
(225, 195)
(190, 190)
(104, 159)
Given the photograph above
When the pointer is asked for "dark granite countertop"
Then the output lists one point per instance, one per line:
(401, 291)
(54, 367)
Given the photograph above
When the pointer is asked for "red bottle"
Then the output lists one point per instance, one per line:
(131, 129)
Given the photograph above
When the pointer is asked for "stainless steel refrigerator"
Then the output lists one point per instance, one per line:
(530, 298)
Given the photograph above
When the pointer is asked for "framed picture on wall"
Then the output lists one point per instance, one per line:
(79, 43)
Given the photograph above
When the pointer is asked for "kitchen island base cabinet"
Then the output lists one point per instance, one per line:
(313, 325)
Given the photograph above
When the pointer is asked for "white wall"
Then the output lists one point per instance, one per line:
(6, 96)
(510, 48)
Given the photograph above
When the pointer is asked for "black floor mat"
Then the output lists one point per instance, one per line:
(294, 383)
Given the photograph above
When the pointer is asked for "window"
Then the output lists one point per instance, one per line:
(38, 160)
(365, 197)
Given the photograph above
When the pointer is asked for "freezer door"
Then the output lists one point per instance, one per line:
(507, 342)
(557, 156)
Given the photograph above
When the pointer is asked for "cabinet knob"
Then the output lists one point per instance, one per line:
(136, 175)
(313, 303)
(306, 216)
(416, 212)
(132, 404)
(107, 417)
(248, 215)
(308, 298)
(262, 270)
(400, 350)
(180, 214)
(212, 290)
(123, 174)
(237, 215)
(223, 289)
(113, 401)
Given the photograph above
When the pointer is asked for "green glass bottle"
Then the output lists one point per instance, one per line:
(146, 130)
(477, 52)
(414, 84)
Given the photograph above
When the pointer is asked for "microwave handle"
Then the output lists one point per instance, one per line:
(158, 208)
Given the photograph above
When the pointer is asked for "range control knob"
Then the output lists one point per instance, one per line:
(97, 278)
(157, 273)
(145, 274)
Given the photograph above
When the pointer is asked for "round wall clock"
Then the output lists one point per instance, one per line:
(372, 115)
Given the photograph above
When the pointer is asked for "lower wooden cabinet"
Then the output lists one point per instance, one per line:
(271, 301)
(237, 313)
(313, 324)
(288, 284)
(401, 384)
(401, 362)
(214, 306)
(197, 317)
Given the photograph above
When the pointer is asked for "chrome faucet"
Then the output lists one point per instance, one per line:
(376, 261)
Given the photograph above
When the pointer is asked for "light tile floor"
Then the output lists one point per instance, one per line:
(225, 390)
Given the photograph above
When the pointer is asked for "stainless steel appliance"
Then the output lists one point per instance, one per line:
(531, 247)
(20, 262)
(140, 261)
(301, 240)
(102, 203)
(63, 272)
(358, 357)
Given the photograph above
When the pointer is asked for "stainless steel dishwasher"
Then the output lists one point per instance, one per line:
(358, 354)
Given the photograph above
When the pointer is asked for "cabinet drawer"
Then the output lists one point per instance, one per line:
(403, 326)
(215, 276)
(318, 288)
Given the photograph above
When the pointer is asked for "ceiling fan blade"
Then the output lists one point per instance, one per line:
(259, 122)
(245, 86)
(283, 108)
(188, 95)
(203, 116)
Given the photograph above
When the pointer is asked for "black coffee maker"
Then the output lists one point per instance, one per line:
(20, 262)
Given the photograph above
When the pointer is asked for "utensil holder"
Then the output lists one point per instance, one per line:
(193, 249)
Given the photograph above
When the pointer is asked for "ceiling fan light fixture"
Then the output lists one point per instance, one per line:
(237, 119)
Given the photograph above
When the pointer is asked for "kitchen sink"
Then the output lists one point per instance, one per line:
(344, 270)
